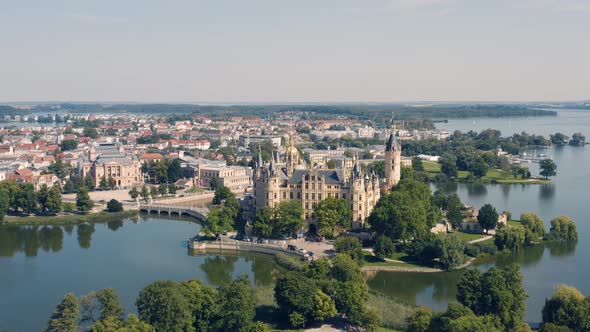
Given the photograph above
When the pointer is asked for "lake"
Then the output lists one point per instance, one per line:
(542, 268)
(39, 265)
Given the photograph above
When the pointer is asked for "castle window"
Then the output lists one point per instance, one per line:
(319, 197)
(336, 195)
(306, 196)
(306, 205)
(344, 195)
(291, 195)
(313, 186)
(298, 195)
(306, 185)
(284, 194)
(313, 196)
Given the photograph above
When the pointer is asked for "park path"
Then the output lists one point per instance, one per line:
(487, 237)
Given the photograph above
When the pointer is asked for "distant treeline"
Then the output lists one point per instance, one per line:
(378, 113)
(9, 110)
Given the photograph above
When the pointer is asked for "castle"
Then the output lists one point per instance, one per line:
(288, 177)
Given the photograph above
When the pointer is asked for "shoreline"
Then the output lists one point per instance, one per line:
(70, 219)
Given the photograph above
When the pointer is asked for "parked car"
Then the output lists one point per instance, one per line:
(301, 250)
(310, 253)
(246, 239)
(292, 247)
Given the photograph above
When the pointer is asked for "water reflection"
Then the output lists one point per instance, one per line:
(29, 239)
(476, 189)
(560, 249)
(85, 232)
(114, 225)
(546, 192)
(219, 269)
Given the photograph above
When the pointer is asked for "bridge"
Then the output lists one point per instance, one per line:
(200, 213)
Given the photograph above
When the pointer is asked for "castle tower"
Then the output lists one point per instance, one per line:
(292, 156)
(393, 157)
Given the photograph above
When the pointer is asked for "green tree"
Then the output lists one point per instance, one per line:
(68, 144)
(351, 298)
(90, 132)
(144, 193)
(264, 223)
(420, 320)
(42, 196)
(131, 324)
(448, 165)
(163, 189)
(478, 167)
(112, 184)
(295, 295)
(289, 218)
(510, 238)
(548, 168)
(405, 213)
(451, 251)
(417, 164)
(323, 306)
(497, 292)
(172, 189)
(60, 169)
(109, 304)
(133, 193)
(454, 214)
(163, 305)
(578, 139)
(203, 303)
(90, 182)
(563, 229)
(487, 217)
(103, 184)
(237, 303)
(154, 191)
(383, 247)
(344, 269)
(567, 307)
(4, 203)
(114, 206)
(332, 212)
(83, 201)
(219, 220)
(222, 194)
(351, 246)
(27, 198)
(53, 201)
(534, 227)
(65, 317)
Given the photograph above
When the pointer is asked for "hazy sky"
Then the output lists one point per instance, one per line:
(294, 51)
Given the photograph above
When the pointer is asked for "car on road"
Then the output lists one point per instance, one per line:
(301, 250)
(246, 239)
(292, 247)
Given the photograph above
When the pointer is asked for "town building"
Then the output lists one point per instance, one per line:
(110, 160)
(289, 178)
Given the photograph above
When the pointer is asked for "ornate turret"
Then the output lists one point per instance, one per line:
(393, 156)
(292, 156)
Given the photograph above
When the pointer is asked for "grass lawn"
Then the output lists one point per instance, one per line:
(514, 223)
(494, 175)
(405, 260)
(466, 237)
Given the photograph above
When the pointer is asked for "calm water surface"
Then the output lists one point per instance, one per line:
(38, 265)
(542, 268)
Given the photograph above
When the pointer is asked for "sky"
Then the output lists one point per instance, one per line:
(295, 51)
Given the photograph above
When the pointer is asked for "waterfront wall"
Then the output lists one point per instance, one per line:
(280, 246)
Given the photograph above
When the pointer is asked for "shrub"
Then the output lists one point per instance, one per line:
(290, 263)
(472, 250)
(114, 206)
(383, 247)
(563, 229)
